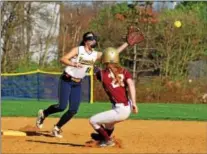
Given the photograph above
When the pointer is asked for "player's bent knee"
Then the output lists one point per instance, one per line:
(93, 120)
(94, 123)
(109, 126)
(61, 109)
(72, 112)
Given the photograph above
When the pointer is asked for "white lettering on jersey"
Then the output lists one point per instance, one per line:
(114, 82)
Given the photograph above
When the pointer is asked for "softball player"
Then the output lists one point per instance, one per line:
(115, 80)
(79, 62)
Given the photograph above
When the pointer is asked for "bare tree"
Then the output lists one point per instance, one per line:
(24, 26)
(49, 38)
(9, 23)
(74, 21)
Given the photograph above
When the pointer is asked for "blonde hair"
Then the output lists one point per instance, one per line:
(116, 69)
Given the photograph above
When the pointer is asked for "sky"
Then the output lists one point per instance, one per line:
(157, 4)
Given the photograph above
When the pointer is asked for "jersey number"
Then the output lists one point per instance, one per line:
(114, 82)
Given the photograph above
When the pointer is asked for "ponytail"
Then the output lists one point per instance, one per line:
(116, 69)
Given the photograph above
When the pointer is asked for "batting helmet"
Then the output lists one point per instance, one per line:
(110, 55)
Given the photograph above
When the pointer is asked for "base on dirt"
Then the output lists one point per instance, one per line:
(12, 133)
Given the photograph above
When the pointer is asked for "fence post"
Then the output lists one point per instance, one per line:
(38, 84)
(91, 86)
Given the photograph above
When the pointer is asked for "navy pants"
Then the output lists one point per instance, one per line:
(69, 93)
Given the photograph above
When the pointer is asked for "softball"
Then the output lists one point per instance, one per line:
(177, 24)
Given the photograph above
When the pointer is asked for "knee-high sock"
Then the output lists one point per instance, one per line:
(52, 109)
(65, 118)
(103, 133)
(109, 131)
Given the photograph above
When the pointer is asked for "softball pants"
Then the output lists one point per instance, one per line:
(69, 93)
(118, 113)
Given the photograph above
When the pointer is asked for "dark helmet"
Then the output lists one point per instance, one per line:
(89, 36)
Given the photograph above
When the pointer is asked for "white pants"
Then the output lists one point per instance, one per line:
(118, 113)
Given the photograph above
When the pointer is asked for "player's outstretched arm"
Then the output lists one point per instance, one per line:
(122, 47)
(132, 92)
(134, 36)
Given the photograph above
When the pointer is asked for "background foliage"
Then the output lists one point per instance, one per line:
(169, 56)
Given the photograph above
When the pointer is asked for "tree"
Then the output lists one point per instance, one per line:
(74, 20)
(11, 21)
(179, 46)
(22, 33)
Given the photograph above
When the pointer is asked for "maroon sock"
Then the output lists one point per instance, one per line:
(103, 133)
(109, 131)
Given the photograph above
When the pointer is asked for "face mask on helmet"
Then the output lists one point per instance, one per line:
(94, 45)
(91, 38)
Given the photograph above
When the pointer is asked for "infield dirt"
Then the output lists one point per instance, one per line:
(132, 136)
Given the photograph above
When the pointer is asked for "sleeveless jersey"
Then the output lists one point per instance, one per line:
(86, 59)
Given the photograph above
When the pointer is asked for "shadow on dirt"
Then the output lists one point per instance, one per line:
(57, 143)
(42, 133)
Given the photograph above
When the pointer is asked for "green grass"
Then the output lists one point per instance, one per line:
(16, 108)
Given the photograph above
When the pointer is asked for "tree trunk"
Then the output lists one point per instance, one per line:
(28, 30)
(135, 63)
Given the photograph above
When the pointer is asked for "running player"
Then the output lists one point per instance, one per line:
(116, 81)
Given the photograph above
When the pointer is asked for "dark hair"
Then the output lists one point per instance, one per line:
(85, 36)
(87, 33)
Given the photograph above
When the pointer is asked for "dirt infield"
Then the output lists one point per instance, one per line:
(133, 136)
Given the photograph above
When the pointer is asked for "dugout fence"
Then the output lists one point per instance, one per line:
(39, 85)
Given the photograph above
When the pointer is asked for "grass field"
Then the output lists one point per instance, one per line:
(16, 108)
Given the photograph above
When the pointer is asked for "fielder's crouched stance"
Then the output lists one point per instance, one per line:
(115, 80)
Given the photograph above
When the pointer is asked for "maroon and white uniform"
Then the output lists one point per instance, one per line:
(121, 105)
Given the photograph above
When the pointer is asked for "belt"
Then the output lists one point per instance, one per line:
(69, 77)
(75, 79)
(120, 104)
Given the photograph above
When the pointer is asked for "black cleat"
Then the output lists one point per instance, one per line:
(96, 137)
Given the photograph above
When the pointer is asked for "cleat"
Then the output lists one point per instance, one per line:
(96, 137)
(56, 132)
(40, 119)
(109, 143)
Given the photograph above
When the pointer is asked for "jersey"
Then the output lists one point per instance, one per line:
(116, 93)
(86, 59)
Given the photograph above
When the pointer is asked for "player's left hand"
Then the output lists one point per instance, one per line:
(134, 36)
(135, 109)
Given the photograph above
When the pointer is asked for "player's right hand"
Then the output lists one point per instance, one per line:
(78, 65)
(135, 109)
